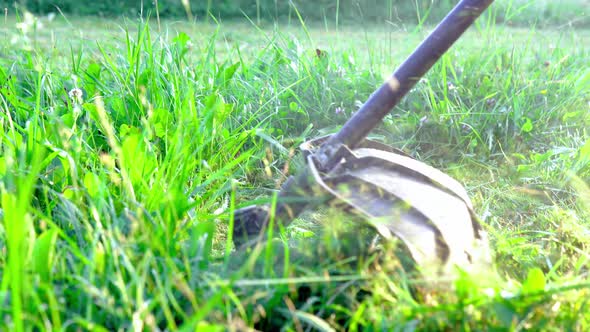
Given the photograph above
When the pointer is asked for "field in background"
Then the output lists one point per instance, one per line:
(538, 13)
(114, 208)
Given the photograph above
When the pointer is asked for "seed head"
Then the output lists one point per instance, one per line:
(76, 96)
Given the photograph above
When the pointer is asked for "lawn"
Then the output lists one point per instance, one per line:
(115, 198)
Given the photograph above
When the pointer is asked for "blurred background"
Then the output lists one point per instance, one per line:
(517, 12)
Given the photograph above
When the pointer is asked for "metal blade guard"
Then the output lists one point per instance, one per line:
(429, 211)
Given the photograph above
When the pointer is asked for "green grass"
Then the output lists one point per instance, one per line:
(115, 207)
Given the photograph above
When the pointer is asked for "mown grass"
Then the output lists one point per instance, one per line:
(115, 205)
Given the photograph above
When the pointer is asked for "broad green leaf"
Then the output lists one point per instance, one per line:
(125, 130)
(68, 193)
(358, 317)
(181, 39)
(465, 285)
(68, 119)
(206, 327)
(571, 115)
(91, 77)
(92, 183)
(93, 70)
(159, 130)
(527, 127)
(144, 78)
(535, 281)
(90, 108)
(161, 119)
(225, 74)
(43, 253)
(181, 42)
(134, 155)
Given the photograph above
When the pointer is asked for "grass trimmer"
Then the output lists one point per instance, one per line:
(399, 196)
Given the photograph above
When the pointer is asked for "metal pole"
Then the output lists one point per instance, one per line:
(403, 79)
